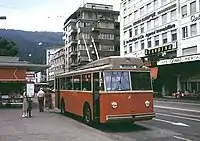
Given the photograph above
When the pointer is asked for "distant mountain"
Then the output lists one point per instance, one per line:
(28, 43)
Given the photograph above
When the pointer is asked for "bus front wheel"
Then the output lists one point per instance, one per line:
(87, 114)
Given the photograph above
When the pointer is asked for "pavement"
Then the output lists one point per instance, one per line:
(174, 121)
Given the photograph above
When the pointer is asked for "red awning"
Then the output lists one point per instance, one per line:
(154, 72)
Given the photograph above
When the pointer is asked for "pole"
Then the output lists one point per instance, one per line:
(89, 58)
(95, 48)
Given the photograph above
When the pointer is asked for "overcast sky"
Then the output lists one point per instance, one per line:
(41, 15)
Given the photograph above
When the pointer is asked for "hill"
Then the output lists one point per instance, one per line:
(27, 42)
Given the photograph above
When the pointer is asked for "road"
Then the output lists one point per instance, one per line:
(175, 121)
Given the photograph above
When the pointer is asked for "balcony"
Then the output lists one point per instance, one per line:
(73, 53)
(95, 29)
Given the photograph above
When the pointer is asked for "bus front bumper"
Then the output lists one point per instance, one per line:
(132, 118)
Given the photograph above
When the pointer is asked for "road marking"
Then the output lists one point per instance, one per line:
(171, 122)
(178, 103)
(187, 118)
(182, 138)
(179, 109)
(186, 115)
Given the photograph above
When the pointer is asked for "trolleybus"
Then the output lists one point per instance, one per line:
(112, 89)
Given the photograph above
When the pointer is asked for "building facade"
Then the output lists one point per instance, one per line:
(55, 58)
(91, 32)
(166, 35)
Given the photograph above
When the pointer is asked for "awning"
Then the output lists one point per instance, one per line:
(154, 72)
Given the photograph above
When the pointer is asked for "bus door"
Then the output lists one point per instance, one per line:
(57, 91)
(96, 97)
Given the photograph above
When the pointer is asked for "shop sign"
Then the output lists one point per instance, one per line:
(179, 60)
(195, 18)
(152, 33)
(145, 18)
(159, 49)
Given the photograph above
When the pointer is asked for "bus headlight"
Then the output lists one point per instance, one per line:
(147, 103)
(114, 105)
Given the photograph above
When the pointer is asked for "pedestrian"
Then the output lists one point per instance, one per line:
(48, 100)
(25, 104)
(40, 96)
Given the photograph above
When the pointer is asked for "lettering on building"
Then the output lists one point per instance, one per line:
(195, 18)
(166, 9)
(151, 33)
(127, 27)
(145, 18)
(179, 60)
(159, 49)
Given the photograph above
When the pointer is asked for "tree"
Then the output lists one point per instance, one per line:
(7, 47)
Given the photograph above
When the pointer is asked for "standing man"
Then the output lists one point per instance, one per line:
(40, 96)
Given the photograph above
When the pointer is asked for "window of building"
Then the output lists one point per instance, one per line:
(190, 50)
(149, 7)
(192, 7)
(184, 11)
(125, 49)
(130, 17)
(156, 4)
(174, 35)
(77, 82)
(193, 29)
(142, 44)
(142, 28)
(149, 25)
(164, 38)
(136, 14)
(130, 48)
(130, 33)
(163, 2)
(142, 11)
(136, 46)
(164, 18)
(86, 82)
(156, 22)
(185, 32)
(156, 39)
(173, 15)
(149, 42)
(136, 30)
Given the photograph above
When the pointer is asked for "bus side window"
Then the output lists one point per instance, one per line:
(86, 82)
(77, 82)
(68, 83)
(62, 84)
(102, 81)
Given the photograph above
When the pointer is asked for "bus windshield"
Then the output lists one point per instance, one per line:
(117, 81)
(120, 81)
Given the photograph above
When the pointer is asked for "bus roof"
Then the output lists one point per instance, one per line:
(112, 62)
(115, 61)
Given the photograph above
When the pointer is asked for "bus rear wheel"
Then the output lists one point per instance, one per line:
(63, 107)
(87, 115)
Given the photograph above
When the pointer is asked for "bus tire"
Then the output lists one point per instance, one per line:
(62, 108)
(87, 115)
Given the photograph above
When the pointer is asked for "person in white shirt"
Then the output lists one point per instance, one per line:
(40, 96)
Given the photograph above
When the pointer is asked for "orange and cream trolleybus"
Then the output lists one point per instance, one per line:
(111, 89)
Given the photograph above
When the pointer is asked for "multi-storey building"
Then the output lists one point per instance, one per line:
(89, 27)
(54, 58)
(166, 35)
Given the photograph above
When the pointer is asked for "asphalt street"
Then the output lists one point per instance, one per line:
(175, 121)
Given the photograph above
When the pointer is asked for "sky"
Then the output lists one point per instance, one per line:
(41, 15)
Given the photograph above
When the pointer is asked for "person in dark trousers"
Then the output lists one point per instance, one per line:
(40, 96)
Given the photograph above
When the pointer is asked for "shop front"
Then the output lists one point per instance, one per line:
(13, 79)
(181, 74)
